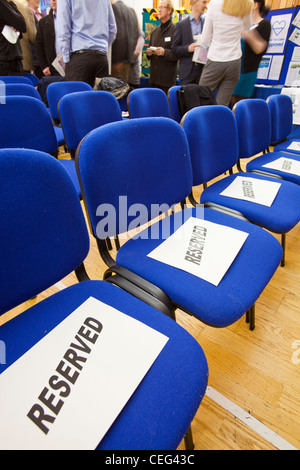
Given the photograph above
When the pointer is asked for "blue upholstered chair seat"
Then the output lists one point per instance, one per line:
(283, 147)
(281, 217)
(259, 162)
(239, 289)
(138, 426)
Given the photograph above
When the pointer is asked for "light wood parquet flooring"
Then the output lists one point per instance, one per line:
(258, 370)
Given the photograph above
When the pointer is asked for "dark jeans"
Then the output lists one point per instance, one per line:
(86, 66)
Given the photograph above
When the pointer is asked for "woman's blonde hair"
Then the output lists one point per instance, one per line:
(239, 8)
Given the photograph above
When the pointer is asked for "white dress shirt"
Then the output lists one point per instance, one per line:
(222, 33)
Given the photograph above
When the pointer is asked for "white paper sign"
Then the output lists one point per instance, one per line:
(80, 375)
(201, 248)
(10, 34)
(294, 146)
(288, 165)
(253, 190)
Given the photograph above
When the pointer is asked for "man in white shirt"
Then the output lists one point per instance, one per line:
(84, 31)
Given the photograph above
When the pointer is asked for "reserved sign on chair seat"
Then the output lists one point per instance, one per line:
(253, 190)
(67, 390)
(202, 248)
(288, 165)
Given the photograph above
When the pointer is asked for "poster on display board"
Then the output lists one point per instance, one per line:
(44, 5)
(271, 67)
(150, 21)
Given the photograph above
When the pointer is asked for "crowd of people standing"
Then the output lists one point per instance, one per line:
(91, 33)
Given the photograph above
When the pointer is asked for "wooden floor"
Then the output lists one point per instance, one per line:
(253, 398)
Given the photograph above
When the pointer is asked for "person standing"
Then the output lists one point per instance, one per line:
(254, 45)
(84, 31)
(34, 6)
(10, 50)
(163, 68)
(123, 47)
(225, 20)
(185, 42)
(45, 41)
(28, 38)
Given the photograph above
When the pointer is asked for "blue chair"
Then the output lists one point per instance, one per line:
(173, 102)
(213, 138)
(33, 78)
(16, 79)
(81, 112)
(148, 102)
(26, 123)
(148, 167)
(253, 119)
(23, 89)
(281, 110)
(44, 238)
(56, 90)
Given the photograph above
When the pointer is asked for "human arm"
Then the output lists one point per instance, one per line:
(63, 29)
(11, 16)
(112, 25)
(258, 38)
(178, 47)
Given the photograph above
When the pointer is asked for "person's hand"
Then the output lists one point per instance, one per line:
(193, 46)
(47, 72)
(149, 51)
(160, 51)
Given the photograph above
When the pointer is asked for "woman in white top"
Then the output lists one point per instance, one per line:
(224, 22)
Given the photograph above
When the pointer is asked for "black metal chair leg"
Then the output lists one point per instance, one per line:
(188, 439)
(250, 317)
(283, 242)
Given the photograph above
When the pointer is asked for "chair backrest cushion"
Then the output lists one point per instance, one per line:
(82, 112)
(21, 89)
(213, 141)
(148, 102)
(43, 234)
(254, 126)
(132, 167)
(26, 123)
(281, 110)
(56, 90)
(173, 102)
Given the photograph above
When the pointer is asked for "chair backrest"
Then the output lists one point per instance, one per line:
(173, 102)
(213, 141)
(254, 126)
(35, 81)
(56, 90)
(281, 110)
(148, 102)
(16, 79)
(21, 89)
(43, 234)
(26, 123)
(83, 111)
(129, 166)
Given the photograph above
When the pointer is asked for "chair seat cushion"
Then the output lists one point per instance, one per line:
(281, 217)
(159, 413)
(240, 287)
(283, 147)
(259, 162)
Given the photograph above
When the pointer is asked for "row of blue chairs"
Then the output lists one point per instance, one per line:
(150, 161)
(80, 112)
